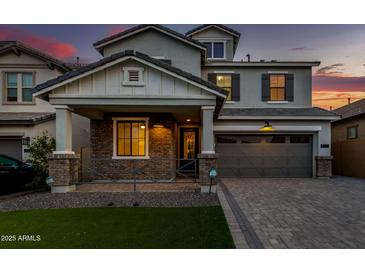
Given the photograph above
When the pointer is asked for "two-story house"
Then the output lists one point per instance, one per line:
(162, 103)
(22, 116)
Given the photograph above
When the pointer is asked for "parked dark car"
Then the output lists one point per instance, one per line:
(14, 174)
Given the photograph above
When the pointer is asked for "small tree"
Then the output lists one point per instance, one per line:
(40, 148)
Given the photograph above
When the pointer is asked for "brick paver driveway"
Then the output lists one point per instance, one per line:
(303, 213)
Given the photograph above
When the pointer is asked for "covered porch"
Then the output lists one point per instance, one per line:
(150, 122)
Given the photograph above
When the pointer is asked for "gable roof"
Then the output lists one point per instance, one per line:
(218, 26)
(236, 35)
(129, 53)
(99, 45)
(18, 47)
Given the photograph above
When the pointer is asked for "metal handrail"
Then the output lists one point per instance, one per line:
(179, 170)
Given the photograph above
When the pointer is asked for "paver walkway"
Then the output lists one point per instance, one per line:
(300, 213)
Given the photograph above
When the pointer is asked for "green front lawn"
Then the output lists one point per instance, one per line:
(189, 227)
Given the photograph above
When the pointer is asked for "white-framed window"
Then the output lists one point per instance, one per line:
(215, 49)
(133, 76)
(18, 87)
(130, 138)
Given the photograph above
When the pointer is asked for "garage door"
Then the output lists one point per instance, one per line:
(264, 155)
(11, 147)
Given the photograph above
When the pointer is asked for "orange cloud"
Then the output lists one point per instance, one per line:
(48, 45)
(335, 99)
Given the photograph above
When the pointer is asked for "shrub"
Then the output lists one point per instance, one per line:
(40, 148)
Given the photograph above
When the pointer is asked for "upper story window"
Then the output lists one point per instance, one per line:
(18, 87)
(352, 132)
(215, 50)
(133, 76)
(225, 81)
(277, 87)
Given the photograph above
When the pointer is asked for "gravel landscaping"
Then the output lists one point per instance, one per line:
(105, 199)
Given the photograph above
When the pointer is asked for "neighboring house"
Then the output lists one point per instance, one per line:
(158, 95)
(22, 116)
(348, 140)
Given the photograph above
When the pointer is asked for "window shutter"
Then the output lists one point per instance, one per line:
(212, 77)
(289, 87)
(236, 87)
(265, 85)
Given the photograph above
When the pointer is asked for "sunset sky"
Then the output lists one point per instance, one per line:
(340, 48)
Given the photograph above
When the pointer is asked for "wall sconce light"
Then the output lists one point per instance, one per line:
(267, 127)
(188, 120)
(143, 126)
(158, 125)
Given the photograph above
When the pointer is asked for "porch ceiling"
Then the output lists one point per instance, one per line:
(180, 113)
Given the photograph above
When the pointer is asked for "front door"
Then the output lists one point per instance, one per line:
(189, 146)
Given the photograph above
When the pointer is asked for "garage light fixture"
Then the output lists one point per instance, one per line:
(267, 127)
(158, 125)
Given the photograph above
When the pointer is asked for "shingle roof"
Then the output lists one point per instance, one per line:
(25, 118)
(351, 110)
(198, 28)
(16, 46)
(146, 26)
(314, 111)
(131, 53)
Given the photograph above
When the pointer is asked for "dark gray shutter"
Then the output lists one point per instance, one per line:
(212, 77)
(289, 87)
(236, 87)
(265, 86)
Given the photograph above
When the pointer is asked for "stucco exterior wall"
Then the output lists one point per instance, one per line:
(156, 44)
(251, 88)
(339, 129)
(26, 63)
(349, 154)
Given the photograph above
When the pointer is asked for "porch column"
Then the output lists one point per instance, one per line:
(208, 157)
(63, 164)
(207, 124)
(63, 130)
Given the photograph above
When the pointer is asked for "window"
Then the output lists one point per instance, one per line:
(12, 87)
(215, 50)
(352, 132)
(130, 137)
(6, 162)
(226, 140)
(133, 76)
(27, 85)
(19, 87)
(225, 82)
(277, 87)
(275, 139)
(299, 139)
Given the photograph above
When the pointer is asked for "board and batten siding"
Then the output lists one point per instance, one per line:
(109, 83)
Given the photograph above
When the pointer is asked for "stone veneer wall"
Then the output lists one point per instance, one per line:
(324, 166)
(162, 151)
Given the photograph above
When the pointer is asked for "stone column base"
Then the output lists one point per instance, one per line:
(206, 162)
(63, 168)
(324, 166)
